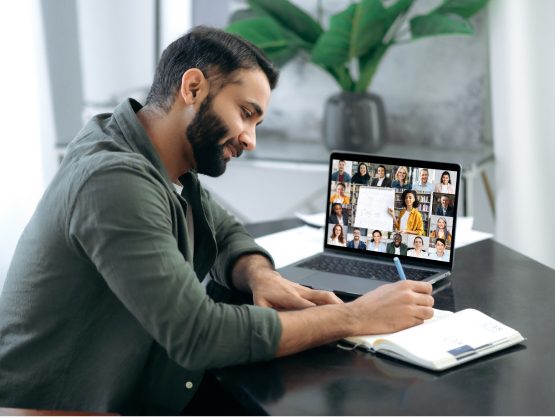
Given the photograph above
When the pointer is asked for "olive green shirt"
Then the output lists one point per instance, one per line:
(103, 308)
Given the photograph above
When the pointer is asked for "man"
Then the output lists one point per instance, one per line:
(356, 243)
(381, 180)
(397, 247)
(439, 254)
(103, 308)
(423, 184)
(445, 208)
(339, 196)
(340, 175)
(337, 216)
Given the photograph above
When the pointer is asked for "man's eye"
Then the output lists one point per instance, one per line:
(247, 113)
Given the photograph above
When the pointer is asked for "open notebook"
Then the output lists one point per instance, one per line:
(447, 340)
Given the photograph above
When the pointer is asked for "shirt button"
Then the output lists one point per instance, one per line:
(188, 385)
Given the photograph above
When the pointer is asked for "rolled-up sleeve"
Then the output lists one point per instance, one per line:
(121, 221)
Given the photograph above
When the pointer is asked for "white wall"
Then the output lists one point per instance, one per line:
(21, 157)
(523, 95)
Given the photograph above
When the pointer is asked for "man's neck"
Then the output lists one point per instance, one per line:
(168, 139)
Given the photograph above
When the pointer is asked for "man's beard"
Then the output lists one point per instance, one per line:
(204, 133)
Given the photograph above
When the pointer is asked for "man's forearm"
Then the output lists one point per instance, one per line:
(315, 326)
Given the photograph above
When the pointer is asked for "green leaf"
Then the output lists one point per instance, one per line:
(332, 48)
(268, 35)
(289, 17)
(368, 65)
(371, 23)
(463, 8)
(439, 24)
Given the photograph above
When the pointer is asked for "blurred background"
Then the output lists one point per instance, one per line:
(485, 101)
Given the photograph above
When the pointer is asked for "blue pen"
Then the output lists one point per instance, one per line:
(399, 267)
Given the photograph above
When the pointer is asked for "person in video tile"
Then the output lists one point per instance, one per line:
(337, 216)
(439, 254)
(339, 196)
(376, 244)
(418, 251)
(381, 180)
(397, 246)
(356, 243)
(445, 185)
(441, 231)
(401, 179)
(410, 219)
(445, 208)
(362, 176)
(423, 184)
(340, 175)
(337, 238)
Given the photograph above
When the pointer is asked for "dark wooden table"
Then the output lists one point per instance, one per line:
(518, 381)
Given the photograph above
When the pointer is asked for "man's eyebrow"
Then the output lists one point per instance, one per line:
(257, 109)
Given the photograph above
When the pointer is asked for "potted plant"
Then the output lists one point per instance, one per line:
(350, 50)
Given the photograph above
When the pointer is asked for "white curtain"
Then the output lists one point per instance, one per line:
(522, 43)
(21, 152)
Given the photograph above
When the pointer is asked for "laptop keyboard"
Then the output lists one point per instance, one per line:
(362, 269)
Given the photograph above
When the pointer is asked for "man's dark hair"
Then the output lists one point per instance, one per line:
(216, 53)
(440, 240)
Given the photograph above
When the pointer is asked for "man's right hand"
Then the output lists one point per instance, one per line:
(393, 307)
(389, 308)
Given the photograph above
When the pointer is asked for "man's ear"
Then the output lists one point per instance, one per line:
(194, 86)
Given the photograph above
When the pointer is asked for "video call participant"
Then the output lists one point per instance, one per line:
(356, 243)
(397, 247)
(336, 237)
(445, 186)
(340, 175)
(439, 254)
(417, 251)
(423, 184)
(381, 180)
(339, 195)
(362, 176)
(441, 231)
(410, 219)
(401, 179)
(376, 244)
(337, 216)
(445, 208)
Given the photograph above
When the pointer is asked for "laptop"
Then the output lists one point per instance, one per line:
(378, 208)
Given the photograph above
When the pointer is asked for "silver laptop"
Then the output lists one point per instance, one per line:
(378, 208)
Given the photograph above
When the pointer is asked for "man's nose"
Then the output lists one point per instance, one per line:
(248, 139)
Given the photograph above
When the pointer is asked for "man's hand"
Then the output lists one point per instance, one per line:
(269, 289)
(393, 307)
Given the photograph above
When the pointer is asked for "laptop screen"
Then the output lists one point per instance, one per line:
(392, 207)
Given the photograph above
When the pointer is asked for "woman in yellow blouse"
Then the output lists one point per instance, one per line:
(410, 219)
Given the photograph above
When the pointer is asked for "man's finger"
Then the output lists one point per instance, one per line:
(321, 297)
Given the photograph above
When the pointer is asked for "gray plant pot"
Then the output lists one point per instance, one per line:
(354, 122)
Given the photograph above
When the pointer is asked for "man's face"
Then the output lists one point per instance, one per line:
(424, 176)
(381, 172)
(444, 201)
(440, 248)
(225, 124)
(341, 166)
(397, 240)
(356, 234)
